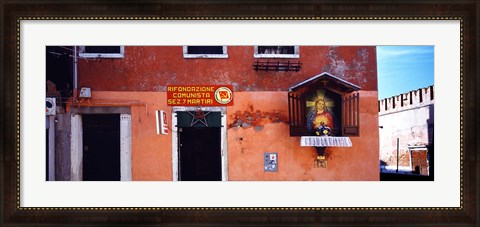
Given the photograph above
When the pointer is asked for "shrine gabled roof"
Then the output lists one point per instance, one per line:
(328, 81)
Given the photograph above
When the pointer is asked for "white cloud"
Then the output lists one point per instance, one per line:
(388, 52)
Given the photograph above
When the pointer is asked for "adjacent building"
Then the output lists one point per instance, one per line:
(407, 132)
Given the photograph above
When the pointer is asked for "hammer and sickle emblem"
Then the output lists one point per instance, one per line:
(199, 114)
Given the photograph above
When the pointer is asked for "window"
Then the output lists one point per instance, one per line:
(101, 51)
(276, 52)
(205, 52)
(324, 100)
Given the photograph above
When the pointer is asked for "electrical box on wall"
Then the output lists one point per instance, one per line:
(85, 92)
(270, 161)
(50, 106)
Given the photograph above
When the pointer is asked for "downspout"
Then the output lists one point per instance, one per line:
(76, 139)
(75, 86)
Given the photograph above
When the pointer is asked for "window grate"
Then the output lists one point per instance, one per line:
(277, 66)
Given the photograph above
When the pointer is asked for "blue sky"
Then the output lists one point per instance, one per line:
(403, 68)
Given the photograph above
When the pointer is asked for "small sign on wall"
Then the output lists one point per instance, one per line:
(270, 160)
(162, 125)
(199, 95)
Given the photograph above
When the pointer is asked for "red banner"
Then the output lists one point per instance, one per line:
(203, 95)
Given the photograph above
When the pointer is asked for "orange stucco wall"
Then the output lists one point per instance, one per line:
(247, 145)
(268, 131)
(140, 78)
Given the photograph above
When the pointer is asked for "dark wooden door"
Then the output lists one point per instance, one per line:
(101, 147)
(200, 154)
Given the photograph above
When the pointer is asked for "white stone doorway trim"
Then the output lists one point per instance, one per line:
(223, 138)
(76, 158)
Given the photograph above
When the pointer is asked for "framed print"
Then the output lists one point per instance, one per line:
(229, 112)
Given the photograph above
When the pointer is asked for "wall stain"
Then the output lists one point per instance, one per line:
(256, 118)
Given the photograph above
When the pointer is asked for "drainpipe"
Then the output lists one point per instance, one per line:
(75, 73)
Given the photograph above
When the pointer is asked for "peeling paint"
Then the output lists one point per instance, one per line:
(259, 128)
(256, 118)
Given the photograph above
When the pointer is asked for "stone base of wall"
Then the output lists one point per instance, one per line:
(413, 162)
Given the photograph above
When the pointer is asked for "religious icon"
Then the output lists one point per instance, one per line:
(320, 116)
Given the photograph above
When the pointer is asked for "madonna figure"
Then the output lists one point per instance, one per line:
(320, 115)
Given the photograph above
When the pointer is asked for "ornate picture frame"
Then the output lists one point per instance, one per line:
(467, 12)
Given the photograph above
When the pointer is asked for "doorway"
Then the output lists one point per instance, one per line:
(101, 147)
(200, 154)
(199, 144)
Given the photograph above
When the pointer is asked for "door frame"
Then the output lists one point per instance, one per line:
(223, 139)
(76, 141)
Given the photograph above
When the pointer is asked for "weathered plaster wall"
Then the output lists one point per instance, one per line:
(259, 132)
(264, 128)
(152, 68)
(411, 123)
(259, 115)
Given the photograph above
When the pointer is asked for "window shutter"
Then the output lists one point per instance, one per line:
(351, 115)
(296, 115)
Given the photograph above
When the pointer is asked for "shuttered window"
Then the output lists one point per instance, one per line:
(296, 113)
(351, 115)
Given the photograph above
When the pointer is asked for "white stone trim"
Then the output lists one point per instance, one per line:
(224, 147)
(125, 147)
(174, 147)
(76, 150)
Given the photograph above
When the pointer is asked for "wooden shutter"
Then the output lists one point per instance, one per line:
(351, 114)
(296, 115)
